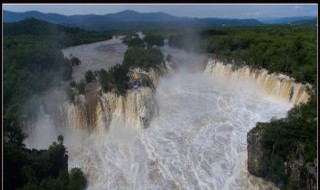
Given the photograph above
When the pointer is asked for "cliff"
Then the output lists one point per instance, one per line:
(296, 173)
(254, 148)
(277, 85)
(95, 112)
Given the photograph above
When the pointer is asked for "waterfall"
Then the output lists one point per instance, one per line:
(277, 85)
(136, 108)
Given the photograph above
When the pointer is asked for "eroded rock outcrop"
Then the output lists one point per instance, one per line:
(255, 150)
(136, 108)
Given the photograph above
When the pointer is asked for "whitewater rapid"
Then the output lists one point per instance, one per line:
(198, 140)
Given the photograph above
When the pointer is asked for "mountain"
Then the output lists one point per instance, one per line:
(50, 17)
(55, 33)
(306, 22)
(127, 20)
(285, 20)
(133, 16)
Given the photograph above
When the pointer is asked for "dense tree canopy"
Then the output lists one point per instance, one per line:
(143, 58)
(133, 40)
(152, 39)
(116, 79)
(89, 76)
(286, 49)
(40, 169)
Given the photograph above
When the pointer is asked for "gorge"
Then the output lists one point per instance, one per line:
(187, 133)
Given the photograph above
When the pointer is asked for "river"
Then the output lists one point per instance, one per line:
(198, 140)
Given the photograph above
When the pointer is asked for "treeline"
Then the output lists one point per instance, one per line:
(287, 49)
(116, 79)
(26, 169)
(149, 40)
(33, 62)
(60, 35)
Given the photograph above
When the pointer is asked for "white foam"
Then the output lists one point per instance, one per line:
(198, 141)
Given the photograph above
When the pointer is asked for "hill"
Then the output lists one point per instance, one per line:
(285, 20)
(64, 35)
(127, 20)
(306, 22)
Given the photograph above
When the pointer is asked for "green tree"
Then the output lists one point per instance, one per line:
(60, 139)
(73, 84)
(81, 87)
(89, 76)
(70, 95)
(75, 61)
(135, 42)
(52, 184)
(77, 180)
(152, 39)
(67, 70)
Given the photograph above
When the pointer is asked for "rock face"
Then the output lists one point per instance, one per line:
(255, 150)
(296, 173)
(137, 108)
(94, 112)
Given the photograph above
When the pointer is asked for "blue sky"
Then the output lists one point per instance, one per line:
(187, 10)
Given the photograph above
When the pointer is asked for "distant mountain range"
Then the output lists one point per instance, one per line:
(136, 21)
(285, 20)
(312, 21)
(127, 20)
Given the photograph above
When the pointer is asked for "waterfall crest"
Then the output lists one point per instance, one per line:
(277, 85)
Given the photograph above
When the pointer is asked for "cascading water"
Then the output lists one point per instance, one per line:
(198, 140)
(277, 85)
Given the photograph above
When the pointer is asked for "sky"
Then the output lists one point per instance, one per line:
(183, 10)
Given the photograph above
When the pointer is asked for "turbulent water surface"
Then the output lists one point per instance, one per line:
(198, 140)
(96, 56)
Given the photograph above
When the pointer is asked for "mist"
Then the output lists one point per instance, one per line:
(197, 141)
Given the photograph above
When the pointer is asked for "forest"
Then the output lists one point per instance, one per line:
(32, 63)
(284, 49)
